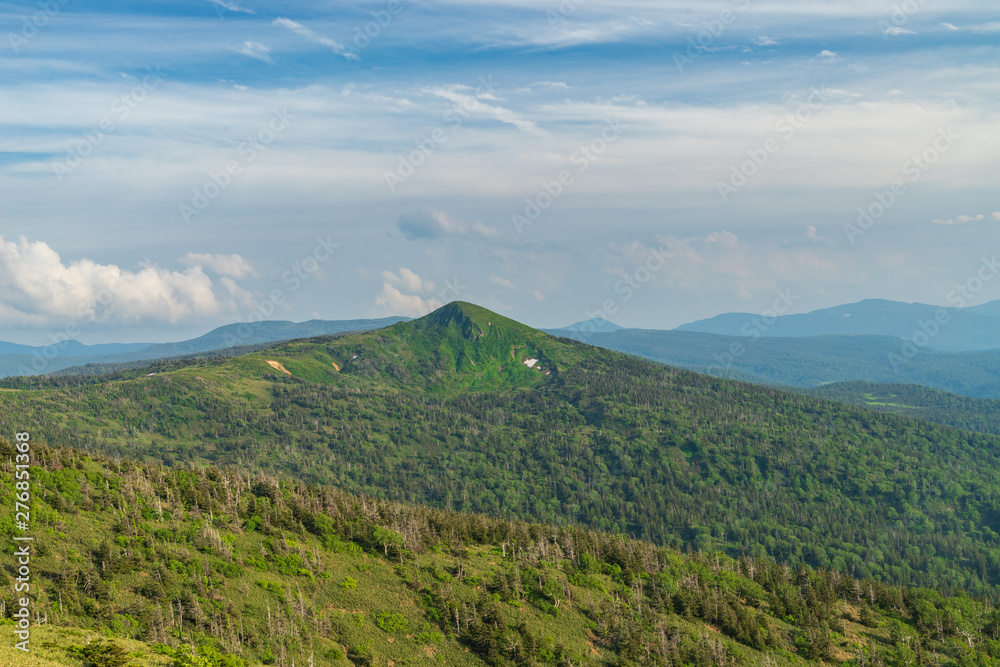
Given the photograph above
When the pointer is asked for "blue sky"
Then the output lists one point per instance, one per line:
(169, 167)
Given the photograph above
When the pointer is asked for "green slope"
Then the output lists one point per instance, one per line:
(443, 411)
(97, 359)
(214, 568)
(971, 414)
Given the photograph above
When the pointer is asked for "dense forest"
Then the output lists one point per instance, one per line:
(971, 414)
(442, 411)
(138, 564)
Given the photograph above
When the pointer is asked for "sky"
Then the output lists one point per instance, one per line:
(169, 167)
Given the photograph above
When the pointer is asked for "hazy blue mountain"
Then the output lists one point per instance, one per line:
(232, 335)
(27, 360)
(809, 362)
(948, 329)
(72, 348)
(594, 325)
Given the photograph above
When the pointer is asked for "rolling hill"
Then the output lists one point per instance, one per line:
(445, 411)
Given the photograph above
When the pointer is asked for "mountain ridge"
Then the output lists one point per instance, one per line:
(945, 328)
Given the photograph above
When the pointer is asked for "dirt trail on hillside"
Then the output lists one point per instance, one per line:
(275, 365)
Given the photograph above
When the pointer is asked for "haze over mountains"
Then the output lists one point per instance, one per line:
(945, 328)
(874, 341)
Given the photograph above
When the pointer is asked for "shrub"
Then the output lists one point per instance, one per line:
(229, 569)
(100, 654)
(271, 586)
(361, 655)
(391, 622)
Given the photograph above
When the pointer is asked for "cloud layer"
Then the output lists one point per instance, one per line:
(38, 288)
(496, 109)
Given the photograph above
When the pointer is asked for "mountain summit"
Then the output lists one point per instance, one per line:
(459, 345)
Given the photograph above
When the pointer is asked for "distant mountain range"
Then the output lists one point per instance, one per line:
(26, 360)
(935, 327)
(952, 349)
(72, 348)
(808, 362)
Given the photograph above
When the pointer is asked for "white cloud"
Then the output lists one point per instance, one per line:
(959, 220)
(570, 33)
(484, 230)
(407, 279)
(810, 239)
(429, 223)
(392, 301)
(727, 239)
(502, 282)
(538, 295)
(303, 31)
(257, 51)
(987, 28)
(825, 53)
(230, 6)
(229, 266)
(38, 289)
(949, 26)
(896, 31)
(995, 215)
(472, 102)
(559, 85)
(766, 41)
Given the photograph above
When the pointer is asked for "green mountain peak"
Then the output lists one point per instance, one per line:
(462, 344)
(474, 321)
(458, 346)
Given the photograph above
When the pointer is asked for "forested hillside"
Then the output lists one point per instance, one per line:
(443, 411)
(971, 414)
(200, 567)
